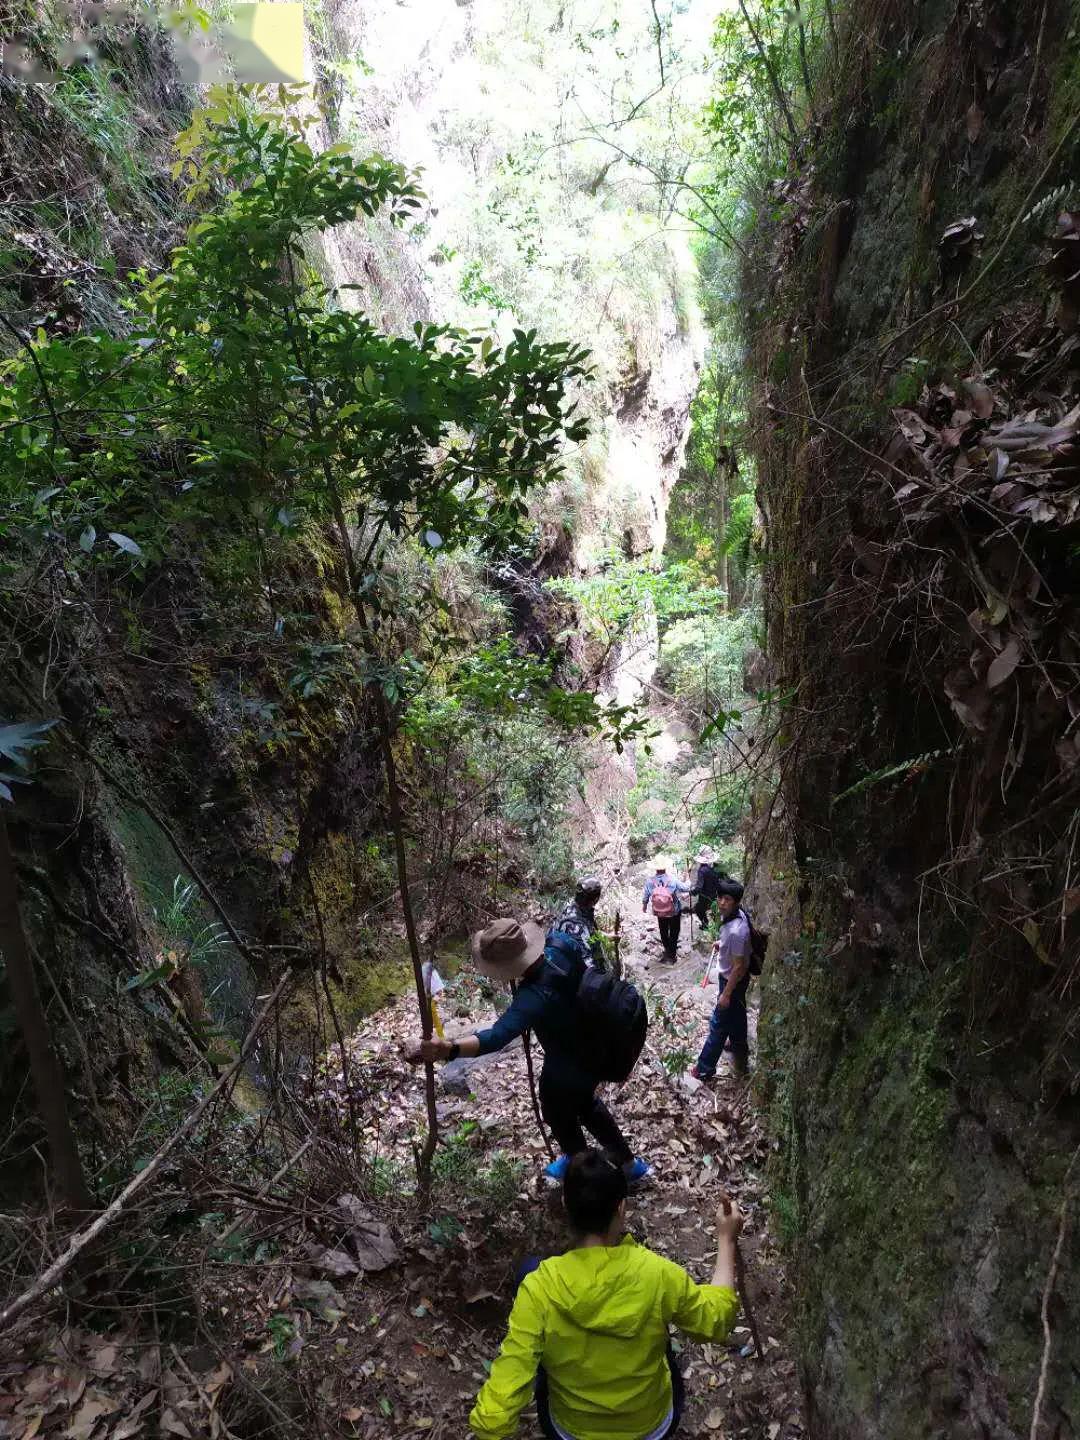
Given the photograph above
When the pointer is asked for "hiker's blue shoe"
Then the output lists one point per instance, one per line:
(558, 1168)
(636, 1171)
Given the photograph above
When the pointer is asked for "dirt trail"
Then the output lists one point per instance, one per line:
(437, 1332)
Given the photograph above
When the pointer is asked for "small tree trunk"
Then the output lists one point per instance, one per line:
(397, 825)
(44, 1067)
(802, 57)
(722, 520)
(832, 29)
(774, 81)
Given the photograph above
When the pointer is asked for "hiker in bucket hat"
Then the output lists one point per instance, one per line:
(663, 892)
(706, 885)
(545, 1001)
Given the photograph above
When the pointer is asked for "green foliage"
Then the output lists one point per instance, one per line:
(458, 1166)
(282, 1331)
(678, 1031)
(495, 680)
(243, 399)
(722, 809)
(621, 596)
(702, 659)
(739, 531)
(15, 741)
(912, 768)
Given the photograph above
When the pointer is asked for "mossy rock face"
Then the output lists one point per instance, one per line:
(923, 1097)
(918, 1199)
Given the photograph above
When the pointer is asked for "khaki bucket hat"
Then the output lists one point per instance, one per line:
(505, 950)
(660, 863)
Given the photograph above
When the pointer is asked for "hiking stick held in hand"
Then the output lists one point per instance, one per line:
(526, 1041)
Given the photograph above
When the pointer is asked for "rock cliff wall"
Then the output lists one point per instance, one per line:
(913, 342)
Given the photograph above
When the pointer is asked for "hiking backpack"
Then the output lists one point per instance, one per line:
(566, 955)
(759, 945)
(612, 1015)
(614, 1024)
(663, 901)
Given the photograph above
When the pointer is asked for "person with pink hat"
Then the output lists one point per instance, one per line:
(545, 1001)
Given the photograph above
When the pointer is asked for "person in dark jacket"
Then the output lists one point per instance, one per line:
(706, 885)
(545, 1001)
(578, 918)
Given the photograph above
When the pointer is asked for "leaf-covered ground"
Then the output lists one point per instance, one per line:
(441, 1317)
(382, 1322)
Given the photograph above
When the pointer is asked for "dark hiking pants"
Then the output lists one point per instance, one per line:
(727, 1024)
(670, 925)
(570, 1105)
(543, 1408)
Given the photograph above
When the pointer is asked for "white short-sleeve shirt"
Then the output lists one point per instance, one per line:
(734, 943)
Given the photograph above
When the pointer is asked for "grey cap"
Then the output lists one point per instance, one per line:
(588, 885)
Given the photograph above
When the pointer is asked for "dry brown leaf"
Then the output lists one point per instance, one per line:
(94, 1408)
(333, 1262)
(171, 1424)
(1003, 665)
(982, 399)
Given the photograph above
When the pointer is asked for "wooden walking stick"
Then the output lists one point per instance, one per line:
(616, 937)
(526, 1040)
(744, 1294)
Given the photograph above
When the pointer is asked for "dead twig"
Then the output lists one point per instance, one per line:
(90, 1233)
(1051, 1280)
(211, 1405)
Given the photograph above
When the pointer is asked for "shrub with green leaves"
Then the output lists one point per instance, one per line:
(245, 401)
(702, 660)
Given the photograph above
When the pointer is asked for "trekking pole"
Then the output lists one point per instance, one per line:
(744, 1294)
(526, 1040)
(617, 967)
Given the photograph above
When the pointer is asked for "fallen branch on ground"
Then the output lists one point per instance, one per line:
(90, 1233)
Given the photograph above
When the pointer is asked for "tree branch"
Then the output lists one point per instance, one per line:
(90, 1233)
(659, 43)
(774, 81)
(28, 347)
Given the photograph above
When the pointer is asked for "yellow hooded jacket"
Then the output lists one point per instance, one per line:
(597, 1319)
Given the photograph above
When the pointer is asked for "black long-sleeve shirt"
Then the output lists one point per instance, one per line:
(544, 1005)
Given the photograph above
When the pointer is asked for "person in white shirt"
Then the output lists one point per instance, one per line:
(732, 955)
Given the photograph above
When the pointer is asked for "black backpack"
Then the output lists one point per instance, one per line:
(759, 945)
(614, 1024)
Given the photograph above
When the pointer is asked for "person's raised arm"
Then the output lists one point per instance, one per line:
(520, 1016)
(729, 1223)
(708, 1312)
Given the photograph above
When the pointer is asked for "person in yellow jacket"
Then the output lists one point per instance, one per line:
(589, 1329)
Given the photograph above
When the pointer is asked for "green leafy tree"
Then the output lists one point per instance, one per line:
(247, 401)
